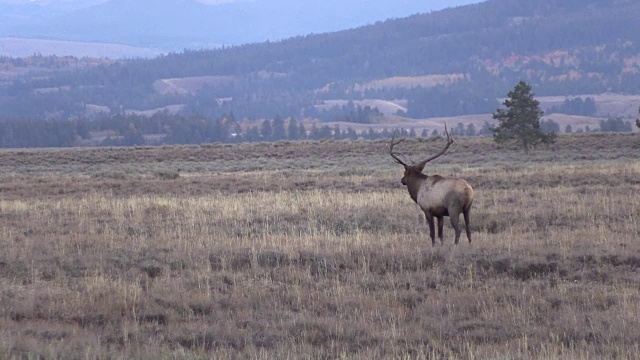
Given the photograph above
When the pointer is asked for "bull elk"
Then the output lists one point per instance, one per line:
(436, 195)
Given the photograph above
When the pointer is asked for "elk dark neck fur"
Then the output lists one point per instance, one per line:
(414, 184)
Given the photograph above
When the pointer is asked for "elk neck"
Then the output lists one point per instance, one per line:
(414, 184)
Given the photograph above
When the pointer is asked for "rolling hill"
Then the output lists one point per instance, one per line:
(458, 61)
(20, 47)
(173, 25)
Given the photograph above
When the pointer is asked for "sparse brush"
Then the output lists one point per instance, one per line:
(318, 257)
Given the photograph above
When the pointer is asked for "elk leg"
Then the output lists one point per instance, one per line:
(432, 229)
(441, 228)
(467, 224)
(455, 223)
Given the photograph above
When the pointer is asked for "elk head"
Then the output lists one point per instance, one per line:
(415, 171)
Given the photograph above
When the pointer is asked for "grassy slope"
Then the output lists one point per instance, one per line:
(314, 249)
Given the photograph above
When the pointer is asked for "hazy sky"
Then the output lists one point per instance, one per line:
(75, 20)
(99, 1)
(453, 2)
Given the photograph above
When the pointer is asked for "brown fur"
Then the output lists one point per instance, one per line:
(438, 197)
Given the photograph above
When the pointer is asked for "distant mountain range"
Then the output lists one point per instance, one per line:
(178, 24)
(453, 62)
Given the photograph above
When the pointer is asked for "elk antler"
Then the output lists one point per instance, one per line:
(391, 145)
(449, 142)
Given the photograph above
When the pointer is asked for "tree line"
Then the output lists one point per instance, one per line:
(165, 129)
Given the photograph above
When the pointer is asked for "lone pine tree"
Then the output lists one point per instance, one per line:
(519, 121)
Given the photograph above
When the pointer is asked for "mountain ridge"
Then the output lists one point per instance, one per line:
(472, 56)
(179, 24)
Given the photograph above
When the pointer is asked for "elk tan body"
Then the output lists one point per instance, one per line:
(438, 196)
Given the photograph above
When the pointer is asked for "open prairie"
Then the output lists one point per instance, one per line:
(315, 250)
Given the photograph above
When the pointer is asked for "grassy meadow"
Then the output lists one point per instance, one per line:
(315, 250)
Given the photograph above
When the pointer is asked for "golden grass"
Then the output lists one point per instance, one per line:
(273, 252)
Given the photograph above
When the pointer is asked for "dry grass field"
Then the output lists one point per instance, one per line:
(315, 250)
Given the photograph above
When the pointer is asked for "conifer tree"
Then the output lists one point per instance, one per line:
(266, 130)
(292, 129)
(519, 121)
(279, 132)
(302, 132)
